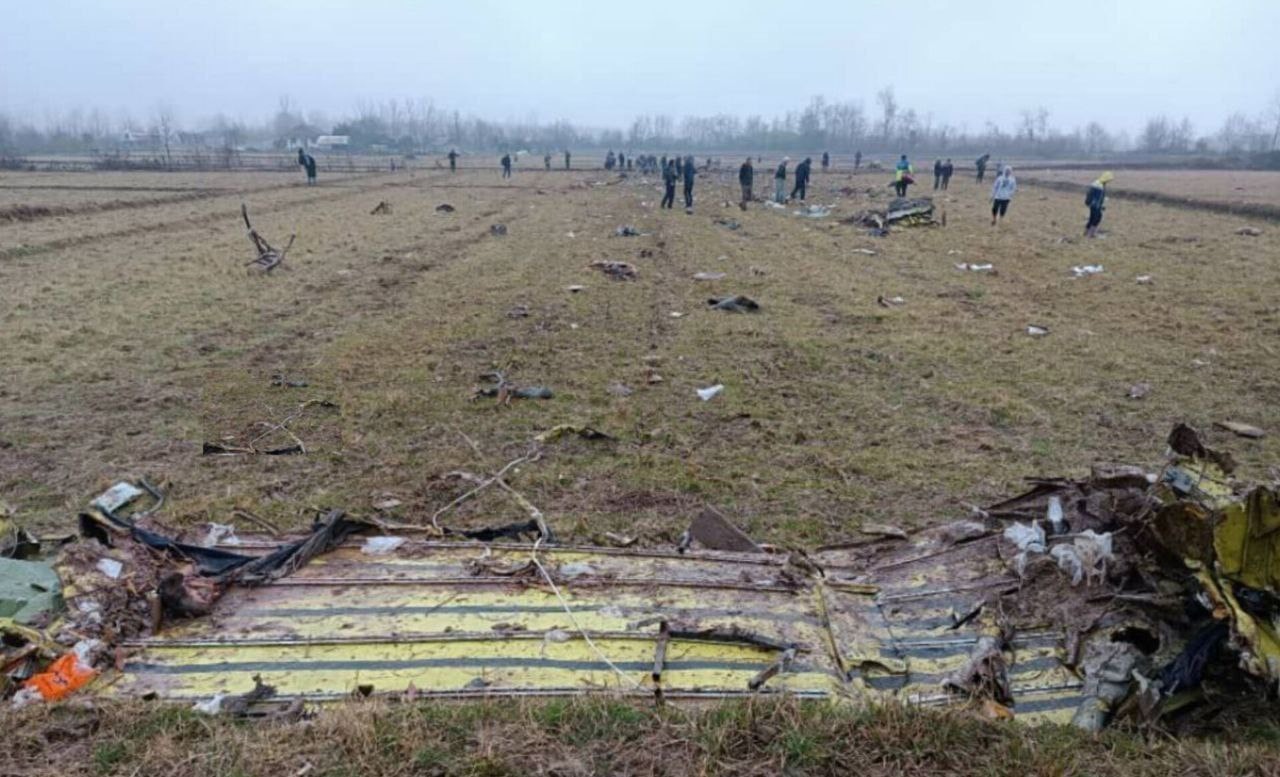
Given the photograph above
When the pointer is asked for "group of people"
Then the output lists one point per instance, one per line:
(684, 170)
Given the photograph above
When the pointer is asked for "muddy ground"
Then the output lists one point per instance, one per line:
(132, 334)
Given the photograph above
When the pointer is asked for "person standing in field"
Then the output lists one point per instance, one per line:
(746, 177)
(902, 176)
(857, 161)
(669, 185)
(566, 159)
(937, 174)
(1096, 199)
(947, 170)
(1003, 190)
(981, 164)
(826, 161)
(546, 161)
(453, 160)
(506, 165)
(802, 179)
(690, 170)
(780, 182)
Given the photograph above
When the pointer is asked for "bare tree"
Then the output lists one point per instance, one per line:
(165, 128)
(888, 111)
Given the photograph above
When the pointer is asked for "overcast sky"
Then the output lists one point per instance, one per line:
(600, 63)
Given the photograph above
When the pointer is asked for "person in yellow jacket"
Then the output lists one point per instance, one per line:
(1096, 199)
(902, 177)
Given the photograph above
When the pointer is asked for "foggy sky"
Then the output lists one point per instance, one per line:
(601, 63)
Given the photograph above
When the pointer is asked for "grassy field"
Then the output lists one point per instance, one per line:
(1236, 187)
(132, 336)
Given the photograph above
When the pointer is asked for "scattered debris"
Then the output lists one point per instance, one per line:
(975, 267)
(1139, 390)
(864, 251)
(505, 391)
(627, 231)
(1080, 271)
(268, 258)
(890, 302)
(1035, 330)
(585, 432)
(575, 289)
(1143, 280)
(883, 530)
(814, 212)
(383, 208)
(1241, 430)
(445, 207)
(281, 381)
(498, 230)
(709, 276)
(1249, 231)
(706, 394)
(519, 311)
(619, 271)
(734, 304)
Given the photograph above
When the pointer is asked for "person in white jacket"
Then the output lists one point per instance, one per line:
(1003, 190)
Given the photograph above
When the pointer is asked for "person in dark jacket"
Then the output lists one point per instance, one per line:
(1096, 199)
(981, 164)
(453, 160)
(690, 170)
(826, 161)
(669, 185)
(780, 182)
(746, 177)
(566, 159)
(308, 163)
(937, 174)
(506, 165)
(546, 161)
(857, 160)
(802, 179)
(947, 170)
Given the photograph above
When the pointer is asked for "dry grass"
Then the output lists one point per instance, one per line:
(1238, 187)
(600, 736)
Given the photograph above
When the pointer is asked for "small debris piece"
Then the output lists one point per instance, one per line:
(771, 671)
(575, 289)
(975, 267)
(883, 530)
(734, 304)
(714, 531)
(729, 224)
(281, 381)
(709, 276)
(387, 503)
(1139, 390)
(1081, 271)
(1143, 280)
(627, 231)
(864, 251)
(890, 302)
(383, 208)
(268, 258)
(1249, 231)
(985, 675)
(585, 432)
(445, 207)
(381, 546)
(814, 212)
(1242, 430)
(706, 394)
(498, 230)
(620, 540)
(1035, 330)
(519, 311)
(619, 271)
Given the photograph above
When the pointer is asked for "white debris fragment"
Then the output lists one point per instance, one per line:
(110, 567)
(380, 546)
(1083, 270)
(706, 394)
(220, 534)
(1036, 330)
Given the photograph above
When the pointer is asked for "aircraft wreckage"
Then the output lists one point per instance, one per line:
(1120, 595)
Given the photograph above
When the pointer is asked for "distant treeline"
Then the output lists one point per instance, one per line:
(419, 126)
